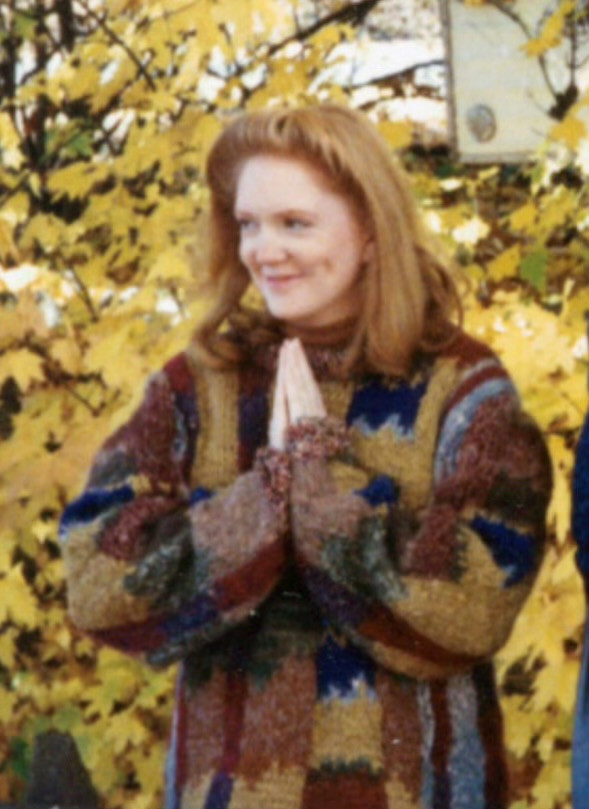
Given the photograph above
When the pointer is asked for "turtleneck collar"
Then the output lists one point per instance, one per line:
(332, 335)
(325, 347)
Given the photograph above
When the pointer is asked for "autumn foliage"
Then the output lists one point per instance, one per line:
(107, 110)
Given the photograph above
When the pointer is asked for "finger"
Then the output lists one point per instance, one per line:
(303, 393)
(280, 419)
(305, 378)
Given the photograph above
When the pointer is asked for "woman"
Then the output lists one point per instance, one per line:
(331, 511)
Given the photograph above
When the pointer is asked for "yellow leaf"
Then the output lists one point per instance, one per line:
(559, 512)
(148, 765)
(75, 181)
(25, 368)
(397, 133)
(100, 761)
(521, 725)
(552, 30)
(83, 82)
(8, 545)
(8, 249)
(12, 157)
(8, 701)
(7, 647)
(556, 684)
(67, 354)
(125, 730)
(45, 230)
(17, 602)
(558, 207)
(571, 131)
(109, 352)
(170, 265)
(506, 264)
(552, 785)
(26, 318)
(524, 218)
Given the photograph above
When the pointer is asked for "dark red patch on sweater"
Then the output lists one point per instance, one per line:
(251, 579)
(490, 726)
(233, 717)
(178, 372)
(134, 638)
(466, 350)
(344, 790)
(390, 630)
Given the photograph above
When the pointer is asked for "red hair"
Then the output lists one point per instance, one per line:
(409, 297)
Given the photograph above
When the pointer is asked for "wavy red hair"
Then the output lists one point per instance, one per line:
(410, 300)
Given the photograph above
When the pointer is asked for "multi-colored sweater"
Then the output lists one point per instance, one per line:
(336, 606)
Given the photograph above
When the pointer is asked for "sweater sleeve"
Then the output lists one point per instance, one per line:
(432, 593)
(152, 566)
(580, 517)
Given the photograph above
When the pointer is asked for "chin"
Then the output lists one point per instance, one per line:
(289, 316)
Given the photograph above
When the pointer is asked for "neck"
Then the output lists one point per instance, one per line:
(330, 335)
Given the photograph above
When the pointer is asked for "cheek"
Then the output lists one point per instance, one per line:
(244, 254)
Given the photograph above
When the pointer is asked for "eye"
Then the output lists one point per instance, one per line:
(245, 224)
(296, 223)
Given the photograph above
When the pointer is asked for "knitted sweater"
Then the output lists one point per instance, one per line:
(335, 607)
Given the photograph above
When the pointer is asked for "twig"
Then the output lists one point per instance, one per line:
(85, 295)
(118, 41)
(399, 74)
(502, 7)
(353, 12)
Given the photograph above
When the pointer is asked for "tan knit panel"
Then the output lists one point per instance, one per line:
(399, 798)
(337, 397)
(277, 788)
(216, 457)
(473, 616)
(96, 599)
(196, 791)
(348, 730)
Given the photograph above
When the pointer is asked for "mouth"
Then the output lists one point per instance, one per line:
(279, 281)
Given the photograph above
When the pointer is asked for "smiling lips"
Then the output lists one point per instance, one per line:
(280, 280)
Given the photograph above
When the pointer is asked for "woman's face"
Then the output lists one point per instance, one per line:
(301, 242)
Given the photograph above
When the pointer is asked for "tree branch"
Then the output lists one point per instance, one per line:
(353, 13)
(85, 295)
(118, 41)
(406, 72)
(503, 8)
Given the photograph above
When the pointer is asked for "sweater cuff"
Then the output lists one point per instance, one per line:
(314, 438)
(275, 470)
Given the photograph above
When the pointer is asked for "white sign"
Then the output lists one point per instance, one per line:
(502, 102)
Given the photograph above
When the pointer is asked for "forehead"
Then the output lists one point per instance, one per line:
(279, 178)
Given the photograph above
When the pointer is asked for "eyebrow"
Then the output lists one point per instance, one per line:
(282, 212)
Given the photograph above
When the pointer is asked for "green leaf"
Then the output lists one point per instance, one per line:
(533, 269)
(20, 758)
(25, 25)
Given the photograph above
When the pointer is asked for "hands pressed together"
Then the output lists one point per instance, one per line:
(297, 393)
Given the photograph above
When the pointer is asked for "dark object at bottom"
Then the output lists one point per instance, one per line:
(58, 777)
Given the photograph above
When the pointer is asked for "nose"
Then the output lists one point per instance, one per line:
(267, 247)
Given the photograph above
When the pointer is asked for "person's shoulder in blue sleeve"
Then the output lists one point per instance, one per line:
(580, 526)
